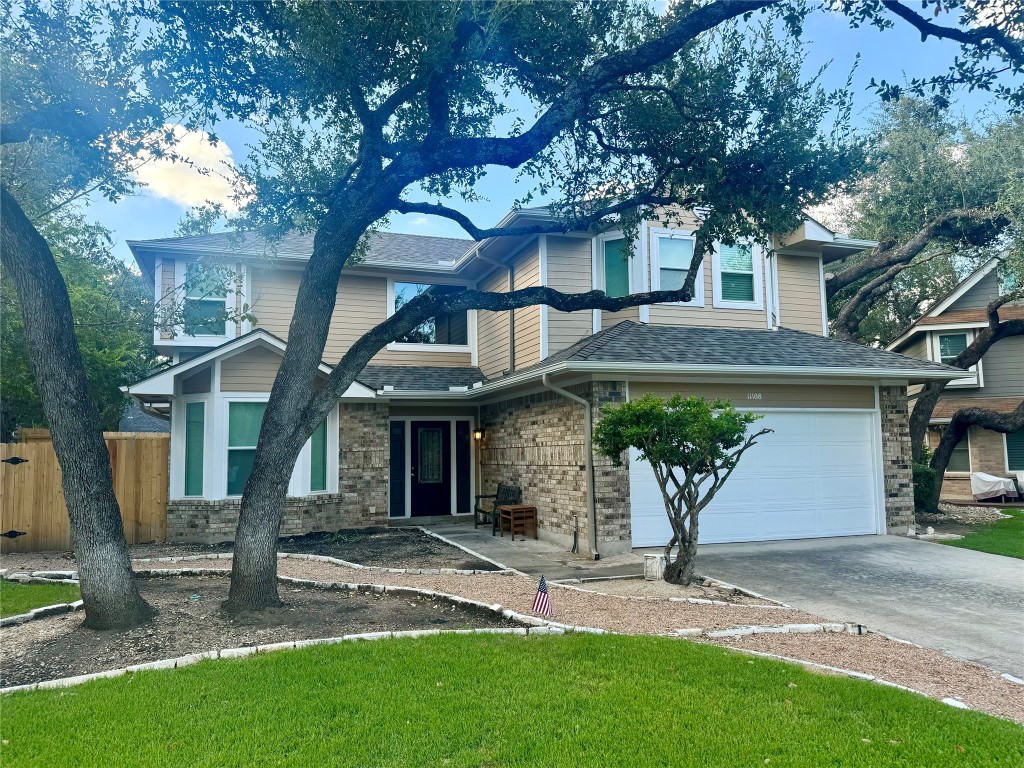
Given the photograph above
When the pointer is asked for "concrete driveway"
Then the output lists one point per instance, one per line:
(968, 604)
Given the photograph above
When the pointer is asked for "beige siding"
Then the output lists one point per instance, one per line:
(251, 371)
(772, 395)
(800, 293)
(492, 329)
(361, 304)
(526, 270)
(569, 271)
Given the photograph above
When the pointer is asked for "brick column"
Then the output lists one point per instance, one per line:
(611, 483)
(896, 459)
(364, 463)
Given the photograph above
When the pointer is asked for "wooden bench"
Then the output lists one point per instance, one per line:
(507, 494)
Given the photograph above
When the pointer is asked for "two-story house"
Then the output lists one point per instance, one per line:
(995, 383)
(471, 399)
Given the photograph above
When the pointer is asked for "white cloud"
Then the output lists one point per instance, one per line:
(202, 171)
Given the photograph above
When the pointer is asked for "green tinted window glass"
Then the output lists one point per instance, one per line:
(616, 268)
(194, 431)
(318, 458)
(239, 469)
(736, 258)
(951, 345)
(205, 282)
(204, 318)
(737, 287)
(1015, 451)
(960, 459)
(244, 421)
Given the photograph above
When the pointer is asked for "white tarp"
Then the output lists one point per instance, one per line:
(989, 486)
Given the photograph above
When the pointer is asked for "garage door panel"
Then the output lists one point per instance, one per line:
(814, 476)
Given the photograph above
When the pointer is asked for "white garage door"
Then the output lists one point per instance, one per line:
(815, 476)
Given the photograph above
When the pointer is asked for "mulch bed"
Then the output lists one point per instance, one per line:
(384, 547)
(190, 621)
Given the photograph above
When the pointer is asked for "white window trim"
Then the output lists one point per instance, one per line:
(935, 354)
(180, 338)
(1006, 456)
(399, 346)
(453, 468)
(757, 262)
(698, 285)
(215, 445)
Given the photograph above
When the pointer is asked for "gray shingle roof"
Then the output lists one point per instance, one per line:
(135, 419)
(630, 342)
(419, 377)
(384, 247)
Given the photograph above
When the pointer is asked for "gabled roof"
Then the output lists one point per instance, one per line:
(932, 315)
(384, 248)
(161, 383)
(731, 348)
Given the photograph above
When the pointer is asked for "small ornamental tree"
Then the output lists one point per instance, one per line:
(693, 445)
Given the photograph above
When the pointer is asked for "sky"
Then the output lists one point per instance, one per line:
(895, 54)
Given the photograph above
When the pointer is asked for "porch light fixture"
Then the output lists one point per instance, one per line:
(478, 433)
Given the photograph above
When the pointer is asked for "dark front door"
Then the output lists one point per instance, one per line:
(431, 468)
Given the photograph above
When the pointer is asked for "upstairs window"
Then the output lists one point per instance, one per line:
(950, 346)
(449, 328)
(671, 256)
(615, 260)
(206, 295)
(737, 278)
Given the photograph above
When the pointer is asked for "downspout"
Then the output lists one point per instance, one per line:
(588, 447)
(511, 312)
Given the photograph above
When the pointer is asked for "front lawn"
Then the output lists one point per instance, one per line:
(497, 701)
(1003, 537)
(18, 598)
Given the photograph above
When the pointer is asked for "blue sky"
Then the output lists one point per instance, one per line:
(894, 55)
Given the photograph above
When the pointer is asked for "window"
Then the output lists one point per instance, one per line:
(616, 267)
(671, 254)
(204, 311)
(950, 346)
(1015, 451)
(244, 421)
(194, 431)
(449, 328)
(960, 458)
(737, 277)
(318, 459)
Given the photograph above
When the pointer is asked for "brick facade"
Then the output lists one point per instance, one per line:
(897, 474)
(988, 454)
(537, 442)
(361, 500)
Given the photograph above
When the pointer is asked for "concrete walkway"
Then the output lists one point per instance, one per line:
(969, 604)
(536, 557)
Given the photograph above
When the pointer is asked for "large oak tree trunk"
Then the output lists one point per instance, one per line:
(254, 568)
(109, 593)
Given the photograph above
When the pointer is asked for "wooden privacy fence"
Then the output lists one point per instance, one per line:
(31, 498)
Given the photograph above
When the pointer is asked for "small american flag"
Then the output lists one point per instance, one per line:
(542, 602)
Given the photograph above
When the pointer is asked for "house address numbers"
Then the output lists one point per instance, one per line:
(753, 395)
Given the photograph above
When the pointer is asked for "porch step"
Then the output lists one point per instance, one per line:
(429, 520)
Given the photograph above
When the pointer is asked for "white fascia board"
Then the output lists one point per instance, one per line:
(771, 370)
(963, 288)
(916, 329)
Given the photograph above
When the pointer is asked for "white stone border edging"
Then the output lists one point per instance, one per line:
(338, 561)
(773, 605)
(467, 550)
(537, 626)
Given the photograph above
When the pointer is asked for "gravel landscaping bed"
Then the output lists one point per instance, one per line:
(385, 547)
(664, 590)
(189, 621)
(965, 515)
(922, 669)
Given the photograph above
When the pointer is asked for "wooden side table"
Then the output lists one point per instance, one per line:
(517, 516)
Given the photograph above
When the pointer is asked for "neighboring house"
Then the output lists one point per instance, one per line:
(134, 419)
(995, 383)
(471, 399)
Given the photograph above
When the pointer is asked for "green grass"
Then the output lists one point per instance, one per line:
(1003, 537)
(488, 700)
(18, 598)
